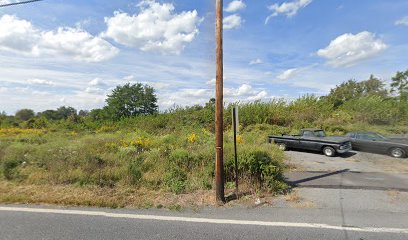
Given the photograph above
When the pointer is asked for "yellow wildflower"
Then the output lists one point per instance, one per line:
(240, 139)
(192, 138)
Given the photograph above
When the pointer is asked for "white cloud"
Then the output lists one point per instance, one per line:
(285, 75)
(289, 9)
(8, 2)
(129, 77)
(156, 28)
(192, 96)
(292, 72)
(235, 6)
(94, 90)
(261, 95)
(20, 36)
(96, 82)
(255, 61)
(211, 81)
(232, 21)
(245, 90)
(349, 49)
(402, 21)
(3, 90)
(37, 81)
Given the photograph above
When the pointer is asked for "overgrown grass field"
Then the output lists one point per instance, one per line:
(151, 161)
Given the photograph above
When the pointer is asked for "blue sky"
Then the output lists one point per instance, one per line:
(57, 52)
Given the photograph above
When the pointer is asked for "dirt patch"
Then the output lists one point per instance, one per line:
(296, 201)
(396, 196)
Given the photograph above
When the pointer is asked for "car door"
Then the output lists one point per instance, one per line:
(367, 142)
(308, 140)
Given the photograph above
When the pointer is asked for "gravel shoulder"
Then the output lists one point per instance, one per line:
(302, 161)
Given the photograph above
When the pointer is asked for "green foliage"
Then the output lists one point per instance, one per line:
(24, 114)
(10, 170)
(374, 110)
(131, 100)
(175, 179)
(62, 112)
(135, 172)
(352, 90)
(399, 85)
(260, 164)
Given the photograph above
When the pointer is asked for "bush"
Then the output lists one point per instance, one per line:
(10, 170)
(134, 171)
(374, 110)
(261, 164)
(175, 179)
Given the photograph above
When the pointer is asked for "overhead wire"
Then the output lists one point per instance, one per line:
(18, 3)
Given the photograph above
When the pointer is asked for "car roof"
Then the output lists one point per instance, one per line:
(312, 129)
(363, 132)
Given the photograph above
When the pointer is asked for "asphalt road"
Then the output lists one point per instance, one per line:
(353, 161)
(22, 223)
(347, 179)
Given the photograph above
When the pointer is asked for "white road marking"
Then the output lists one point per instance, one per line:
(204, 220)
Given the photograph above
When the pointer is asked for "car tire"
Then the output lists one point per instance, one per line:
(329, 151)
(282, 146)
(397, 152)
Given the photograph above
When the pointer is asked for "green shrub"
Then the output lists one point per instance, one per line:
(10, 170)
(134, 171)
(181, 158)
(175, 179)
(261, 164)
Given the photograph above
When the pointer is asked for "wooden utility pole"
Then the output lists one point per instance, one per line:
(219, 108)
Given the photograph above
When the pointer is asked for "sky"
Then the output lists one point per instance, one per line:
(73, 53)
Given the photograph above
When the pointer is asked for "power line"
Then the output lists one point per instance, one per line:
(18, 3)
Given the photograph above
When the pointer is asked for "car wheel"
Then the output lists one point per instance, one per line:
(329, 151)
(397, 152)
(282, 146)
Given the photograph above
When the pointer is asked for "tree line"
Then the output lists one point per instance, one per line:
(131, 100)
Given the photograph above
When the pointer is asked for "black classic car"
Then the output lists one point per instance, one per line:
(313, 139)
(376, 143)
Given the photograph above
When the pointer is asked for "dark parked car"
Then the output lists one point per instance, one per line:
(315, 140)
(376, 143)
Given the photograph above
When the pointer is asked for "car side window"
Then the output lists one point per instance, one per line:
(308, 134)
(351, 135)
(366, 136)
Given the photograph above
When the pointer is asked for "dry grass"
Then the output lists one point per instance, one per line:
(123, 197)
(102, 197)
(397, 196)
(296, 201)
(293, 197)
(394, 195)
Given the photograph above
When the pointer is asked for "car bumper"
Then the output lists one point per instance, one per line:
(343, 150)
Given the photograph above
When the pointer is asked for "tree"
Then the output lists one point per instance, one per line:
(83, 113)
(59, 114)
(352, 89)
(131, 100)
(399, 85)
(49, 115)
(25, 114)
(65, 112)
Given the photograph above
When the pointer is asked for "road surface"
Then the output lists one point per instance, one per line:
(347, 179)
(24, 222)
